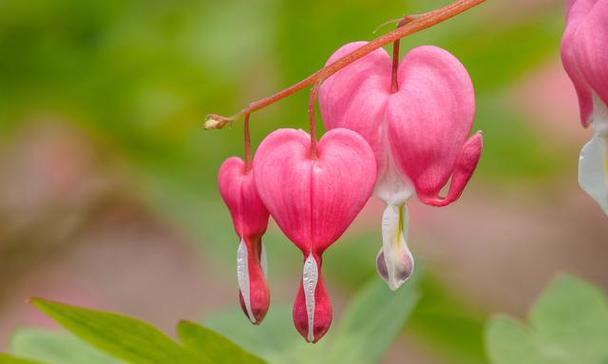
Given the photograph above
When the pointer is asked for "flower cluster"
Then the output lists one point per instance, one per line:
(392, 139)
(585, 57)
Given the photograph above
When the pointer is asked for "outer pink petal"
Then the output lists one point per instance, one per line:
(591, 48)
(576, 12)
(356, 97)
(238, 190)
(314, 201)
(429, 118)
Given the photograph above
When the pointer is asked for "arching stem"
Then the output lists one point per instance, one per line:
(421, 22)
(312, 102)
(247, 137)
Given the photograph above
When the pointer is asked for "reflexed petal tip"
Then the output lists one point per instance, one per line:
(462, 173)
(593, 170)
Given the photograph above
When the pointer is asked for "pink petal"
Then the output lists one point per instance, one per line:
(463, 171)
(314, 201)
(356, 97)
(429, 120)
(576, 13)
(590, 44)
(238, 190)
(250, 219)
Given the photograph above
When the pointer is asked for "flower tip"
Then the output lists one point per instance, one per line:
(214, 121)
(402, 268)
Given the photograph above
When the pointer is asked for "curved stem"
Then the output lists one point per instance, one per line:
(247, 137)
(312, 101)
(419, 23)
(395, 68)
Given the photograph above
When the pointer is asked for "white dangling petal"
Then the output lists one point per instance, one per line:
(395, 262)
(242, 270)
(593, 170)
(310, 278)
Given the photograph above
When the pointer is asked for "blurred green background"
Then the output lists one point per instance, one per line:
(108, 190)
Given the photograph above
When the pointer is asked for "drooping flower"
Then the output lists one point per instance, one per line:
(584, 51)
(419, 134)
(314, 197)
(250, 219)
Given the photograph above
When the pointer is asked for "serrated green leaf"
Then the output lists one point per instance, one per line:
(55, 348)
(568, 325)
(123, 337)
(213, 346)
(8, 359)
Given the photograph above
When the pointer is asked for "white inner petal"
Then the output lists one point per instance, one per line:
(600, 117)
(593, 170)
(398, 260)
(242, 271)
(310, 278)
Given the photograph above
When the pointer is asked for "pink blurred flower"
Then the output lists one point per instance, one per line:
(313, 199)
(250, 219)
(584, 51)
(419, 134)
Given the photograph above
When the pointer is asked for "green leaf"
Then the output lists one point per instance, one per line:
(125, 338)
(55, 348)
(372, 322)
(212, 345)
(7, 359)
(568, 325)
(447, 325)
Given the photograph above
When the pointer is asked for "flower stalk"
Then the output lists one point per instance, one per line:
(417, 23)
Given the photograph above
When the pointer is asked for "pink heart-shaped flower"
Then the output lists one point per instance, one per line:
(250, 219)
(314, 200)
(418, 134)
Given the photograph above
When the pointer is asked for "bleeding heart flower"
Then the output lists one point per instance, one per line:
(418, 134)
(250, 219)
(584, 52)
(314, 197)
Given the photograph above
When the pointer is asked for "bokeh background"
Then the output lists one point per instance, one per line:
(107, 181)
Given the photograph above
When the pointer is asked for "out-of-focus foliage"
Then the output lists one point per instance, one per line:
(568, 325)
(368, 326)
(363, 333)
(124, 338)
(55, 348)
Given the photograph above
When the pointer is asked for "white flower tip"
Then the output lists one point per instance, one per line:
(401, 268)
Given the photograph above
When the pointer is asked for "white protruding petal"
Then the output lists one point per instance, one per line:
(310, 278)
(395, 262)
(593, 170)
(264, 261)
(391, 187)
(242, 271)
